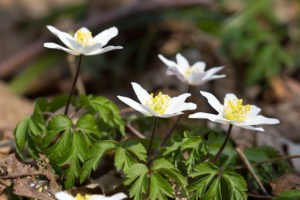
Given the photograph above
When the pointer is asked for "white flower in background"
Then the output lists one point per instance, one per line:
(66, 196)
(193, 75)
(160, 105)
(83, 42)
(234, 112)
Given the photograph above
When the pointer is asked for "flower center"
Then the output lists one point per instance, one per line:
(159, 103)
(83, 36)
(82, 197)
(191, 70)
(234, 110)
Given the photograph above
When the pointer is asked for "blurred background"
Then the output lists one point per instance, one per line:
(258, 42)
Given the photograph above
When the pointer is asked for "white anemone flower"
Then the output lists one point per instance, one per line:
(83, 42)
(161, 105)
(234, 112)
(193, 75)
(67, 196)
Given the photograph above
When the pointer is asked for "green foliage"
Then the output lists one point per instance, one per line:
(158, 176)
(289, 195)
(73, 148)
(193, 146)
(267, 171)
(137, 176)
(252, 37)
(209, 182)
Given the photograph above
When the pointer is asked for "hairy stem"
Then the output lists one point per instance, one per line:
(73, 85)
(223, 145)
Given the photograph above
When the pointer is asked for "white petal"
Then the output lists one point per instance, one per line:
(213, 101)
(138, 107)
(211, 117)
(64, 196)
(254, 110)
(195, 78)
(90, 49)
(176, 103)
(52, 45)
(188, 106)
(105, 36)
(103, 50)
(199, 66)
(248, 127)
(212, 71)
(230, 96)
(259, 119)
(118, 196)
(206, 79)
(168, 62)
(182, 63)
(66, 38)
(140, 92)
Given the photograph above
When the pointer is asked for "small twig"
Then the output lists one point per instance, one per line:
(126, 110)
(247, 164)
(269, 161)
(135, 131)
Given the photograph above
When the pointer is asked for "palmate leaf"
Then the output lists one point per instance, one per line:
(137, 176)
(128, 154)
(209, 182)
(106, 110)
(168, 169)
(160, 188)
(96, 152)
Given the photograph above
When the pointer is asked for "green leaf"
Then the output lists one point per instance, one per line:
(137, 176)
(289, 195)
(123, 159)
(214, 191)
(96, 152)
(107, 111)
(137, 149)
(59, 123)
(20, 133)
(205, 173)
(209, 182)
(236, 186)
(160, 188)
(87, 124)
(165, 167)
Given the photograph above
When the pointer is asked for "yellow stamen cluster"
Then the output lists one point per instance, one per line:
(82, 197)
(234, 110)
(83, 37)
(159, 103)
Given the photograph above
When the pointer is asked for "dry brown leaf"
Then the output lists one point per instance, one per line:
(25, 178)
(285, 183)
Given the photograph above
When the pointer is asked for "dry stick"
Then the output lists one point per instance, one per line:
(25, 55)
(246, 162)
(135, 131)
(257, 196)
(270, 161)
(73, 86)
(223, 145)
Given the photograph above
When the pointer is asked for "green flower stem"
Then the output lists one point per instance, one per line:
(73, 85)
(166, 138)
(223, 145)
(149, 150)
